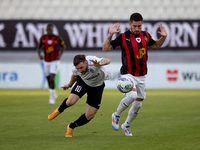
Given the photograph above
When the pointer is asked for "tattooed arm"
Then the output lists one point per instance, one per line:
(113, 29)
(104, 61)
(107, 46)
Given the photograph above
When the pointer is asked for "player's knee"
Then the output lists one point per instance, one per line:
(51, 80)
(136, 106)
(132, 95)
(90, 116)
(70, 102)
(51, 77)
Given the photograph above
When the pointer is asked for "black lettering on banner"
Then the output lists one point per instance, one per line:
(78, 88)
(191, 76)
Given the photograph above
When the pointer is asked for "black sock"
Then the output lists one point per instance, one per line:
(63, 106)
(79, 122)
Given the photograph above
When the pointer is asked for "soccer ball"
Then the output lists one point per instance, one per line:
(125, 84)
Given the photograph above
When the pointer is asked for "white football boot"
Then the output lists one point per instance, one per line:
(127, 130)
(115, 121)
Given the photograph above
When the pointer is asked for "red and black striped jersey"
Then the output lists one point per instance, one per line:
(134, 52)
(51, 46)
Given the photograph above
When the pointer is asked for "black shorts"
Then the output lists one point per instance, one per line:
(94, 94)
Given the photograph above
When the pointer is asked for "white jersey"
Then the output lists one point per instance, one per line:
(95, 75)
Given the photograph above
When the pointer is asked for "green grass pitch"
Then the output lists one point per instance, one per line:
(168, 120)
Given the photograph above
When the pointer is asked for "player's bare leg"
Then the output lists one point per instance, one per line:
(51, 83)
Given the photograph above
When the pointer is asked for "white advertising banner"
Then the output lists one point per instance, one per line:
(164, 75)
(173, 75)
(21, 75)
(160, 75)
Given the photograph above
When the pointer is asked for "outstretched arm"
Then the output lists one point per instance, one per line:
(63, 48)
(104, 61)
(113, 29)
(161, 40)
(71, 82)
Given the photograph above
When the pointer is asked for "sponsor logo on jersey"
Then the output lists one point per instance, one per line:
(142, 52)
(50, 49)
(93, 76)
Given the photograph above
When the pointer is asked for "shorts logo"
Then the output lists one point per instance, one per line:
(78, 88)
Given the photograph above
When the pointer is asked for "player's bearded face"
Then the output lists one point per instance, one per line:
(82, 67)
(136, 27)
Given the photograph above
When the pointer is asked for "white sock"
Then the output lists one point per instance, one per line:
(125, 102)
(52, 91)
(133, 112)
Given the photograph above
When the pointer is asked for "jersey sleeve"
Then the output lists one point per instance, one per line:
(117, 41)
(151, 41)
(75, 71)
(61, 42)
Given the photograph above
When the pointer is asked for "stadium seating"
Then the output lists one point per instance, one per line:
(99, 9)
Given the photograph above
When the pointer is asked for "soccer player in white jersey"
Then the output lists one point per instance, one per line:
(88, 75)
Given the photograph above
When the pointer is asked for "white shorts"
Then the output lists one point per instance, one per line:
(51, 67)
(139, 84)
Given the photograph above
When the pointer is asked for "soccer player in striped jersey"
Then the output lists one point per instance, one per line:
(88, 75)
(133, 43)
(53, 47)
